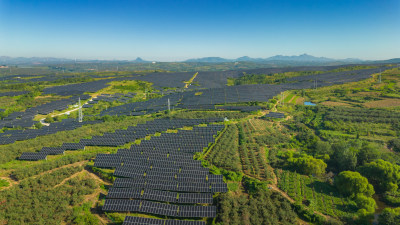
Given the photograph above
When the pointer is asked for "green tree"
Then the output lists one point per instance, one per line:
(49, 119)
(367, 154)
(384, 175)
(38, 125)
(308, 165)
(367, 203)
(394, 144)
(344, 157)
(389, 216)
(352, 184)
(321, 148)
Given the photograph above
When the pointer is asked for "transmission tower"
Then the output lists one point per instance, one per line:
(169, 106)
(80, 111)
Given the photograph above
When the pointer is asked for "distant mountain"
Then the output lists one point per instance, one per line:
(273, 61)
(303, 57)
(276, 58)
(210, 60)
(140, 60)
(31, 60)
(6, 60)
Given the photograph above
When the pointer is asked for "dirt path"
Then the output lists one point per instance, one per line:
(275, 188)
(69, 178)
(16, 182)
(191, 80)
(294, 96)
(252, 125)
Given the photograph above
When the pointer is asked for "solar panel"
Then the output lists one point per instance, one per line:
(132, 220)
(33, 156)
(121, 205)
(197, 211)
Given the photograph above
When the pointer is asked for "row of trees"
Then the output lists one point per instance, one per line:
(28, 171)
(261, 207)
(40, 201)
(225, 152)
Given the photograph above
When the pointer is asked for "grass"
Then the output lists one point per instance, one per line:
(3, 183)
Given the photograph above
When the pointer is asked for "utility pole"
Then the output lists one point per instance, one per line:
(80, 111)
(282, 98)
(169, 106)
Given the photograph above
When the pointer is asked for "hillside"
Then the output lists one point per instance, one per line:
(204, 147)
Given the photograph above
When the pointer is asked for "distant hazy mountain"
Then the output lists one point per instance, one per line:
(277, 60)
(139, 60)
(6, 60)
(31, 60)
(295, 58)
(210, 60)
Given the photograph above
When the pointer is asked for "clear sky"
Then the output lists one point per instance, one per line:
(176, 30)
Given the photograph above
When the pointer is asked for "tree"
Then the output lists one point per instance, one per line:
(308, 165)
(49, 119)
(38, 125)
(321, 148)
(389, 216)
(344, 157)
(352, 184)
(367, 203)
(394, 144)
(384, 175)
(367, 154)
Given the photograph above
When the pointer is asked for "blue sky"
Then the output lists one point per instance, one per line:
(177, 30)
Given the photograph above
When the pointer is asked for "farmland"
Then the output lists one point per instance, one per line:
(153, 148)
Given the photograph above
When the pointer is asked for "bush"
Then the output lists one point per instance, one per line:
(352, 183)
(38, 125)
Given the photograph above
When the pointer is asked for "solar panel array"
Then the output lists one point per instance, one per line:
(157, 208)
(33, 156)
(77, 89)
(25, 119)
(275, 115)
(45, 151)
(113, 97)
(13, 93)
(119, 137)
(132, 220)
(158, 195)
(338, 77)
(240, 108)
(10, 136)
(160, 176)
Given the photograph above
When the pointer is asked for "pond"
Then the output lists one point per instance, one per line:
(310, 104)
